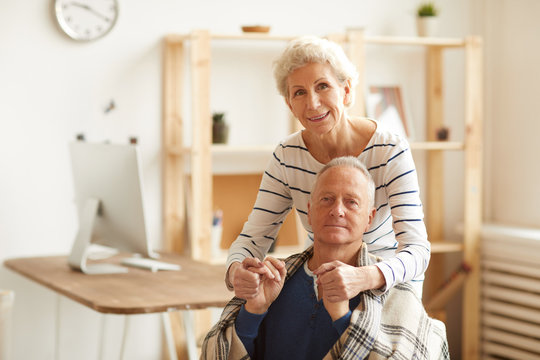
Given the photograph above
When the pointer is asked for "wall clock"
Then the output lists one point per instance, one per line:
(86, 20)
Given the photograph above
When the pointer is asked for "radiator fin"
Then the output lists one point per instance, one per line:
(510, 293)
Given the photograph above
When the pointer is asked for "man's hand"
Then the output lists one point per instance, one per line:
(341, 282)
(245, 277)
(336, 309)
(270, 285)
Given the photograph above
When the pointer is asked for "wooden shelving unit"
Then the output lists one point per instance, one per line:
(177, 192)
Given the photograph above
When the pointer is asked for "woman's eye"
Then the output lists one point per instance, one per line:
(322, 86)
(299, 92)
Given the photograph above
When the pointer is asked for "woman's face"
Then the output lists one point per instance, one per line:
(316, 97)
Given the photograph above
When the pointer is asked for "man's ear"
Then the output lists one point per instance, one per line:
(370, 219)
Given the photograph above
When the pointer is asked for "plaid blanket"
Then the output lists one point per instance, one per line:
(393, 325)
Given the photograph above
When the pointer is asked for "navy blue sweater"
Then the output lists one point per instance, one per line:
(296, 326)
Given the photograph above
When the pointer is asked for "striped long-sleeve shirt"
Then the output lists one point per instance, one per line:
(397, 232)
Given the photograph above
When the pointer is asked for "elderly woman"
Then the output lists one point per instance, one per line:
(317, 81)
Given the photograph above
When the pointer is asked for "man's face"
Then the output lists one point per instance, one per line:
(339, 211)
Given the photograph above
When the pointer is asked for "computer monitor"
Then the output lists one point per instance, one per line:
(108, 193)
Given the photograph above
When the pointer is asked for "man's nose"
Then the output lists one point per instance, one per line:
(337, 209)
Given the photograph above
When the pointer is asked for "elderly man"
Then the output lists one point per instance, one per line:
(296, 312)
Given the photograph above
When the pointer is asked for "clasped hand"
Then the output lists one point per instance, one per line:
(260, 283)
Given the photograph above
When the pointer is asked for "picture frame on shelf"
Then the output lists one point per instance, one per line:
(385, 103)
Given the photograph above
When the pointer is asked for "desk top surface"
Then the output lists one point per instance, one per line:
(196, 286)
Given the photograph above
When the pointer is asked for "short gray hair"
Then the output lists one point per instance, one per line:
(351, 162)
(311, 49)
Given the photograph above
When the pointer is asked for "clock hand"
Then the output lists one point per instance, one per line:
(88, 8)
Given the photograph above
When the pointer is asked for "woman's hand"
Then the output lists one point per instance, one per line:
(341, 281)
(269, 287)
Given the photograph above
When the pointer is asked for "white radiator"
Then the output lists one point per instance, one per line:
(510, 293)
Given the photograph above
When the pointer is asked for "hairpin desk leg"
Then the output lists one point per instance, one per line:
(167, 329)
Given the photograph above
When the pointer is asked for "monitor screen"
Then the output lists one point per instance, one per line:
(108, 193)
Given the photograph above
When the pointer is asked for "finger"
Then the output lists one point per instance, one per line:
(280, 270)
(247, 273)
(324, 268)
(324, 279)
(247, 288)
(262, 271)
(244, 277)
(251, 262)
(280, 266)
(334, 289)
(248, 282)
(271, 264)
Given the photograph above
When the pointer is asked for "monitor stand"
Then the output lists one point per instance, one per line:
(79, 251)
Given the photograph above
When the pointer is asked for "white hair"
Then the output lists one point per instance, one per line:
(351, 162)
(311, 49)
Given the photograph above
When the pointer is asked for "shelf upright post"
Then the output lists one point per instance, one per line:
(473, 195)
(173, 179)
(435, 163)
(356, 53)
(200, 201)
(200, 195)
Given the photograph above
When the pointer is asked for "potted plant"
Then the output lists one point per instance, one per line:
(427, 20)
(220, 129)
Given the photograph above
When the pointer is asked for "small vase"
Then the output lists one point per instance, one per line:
(220, 133)
(442, 133)
(427, 25)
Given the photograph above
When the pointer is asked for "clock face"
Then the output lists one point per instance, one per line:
(86, 19)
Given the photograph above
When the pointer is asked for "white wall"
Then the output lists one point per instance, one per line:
(52, 88)
(513, 118)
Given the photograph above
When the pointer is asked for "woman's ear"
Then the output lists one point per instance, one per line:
(347, 88)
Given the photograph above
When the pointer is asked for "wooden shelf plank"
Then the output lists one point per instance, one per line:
(378, 40)
(423, 41)
(405, 40)
(437, 145)
(253, 36)
(239, 149)
(445, 247)
(268, 149)
(252, 159)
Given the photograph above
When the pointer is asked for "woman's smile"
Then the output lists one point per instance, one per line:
(320, 117)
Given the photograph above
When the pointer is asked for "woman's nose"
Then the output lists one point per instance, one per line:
(314, 101)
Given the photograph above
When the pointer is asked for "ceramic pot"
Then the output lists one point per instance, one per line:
(427, 25)
(220, 133)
